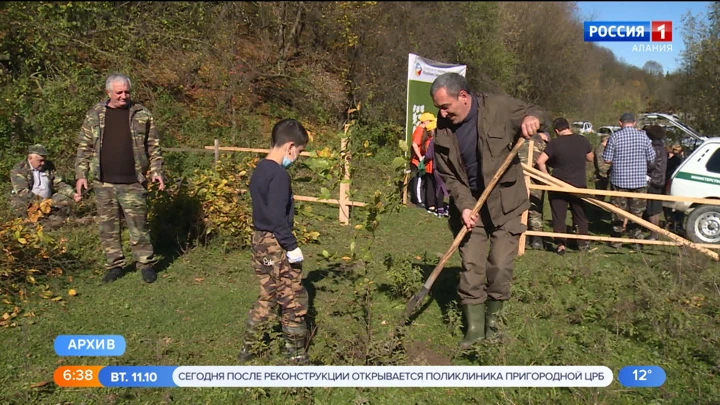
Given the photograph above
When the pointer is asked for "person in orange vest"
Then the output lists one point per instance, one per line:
(418, 165)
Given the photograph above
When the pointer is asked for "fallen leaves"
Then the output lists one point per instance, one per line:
(40, 384)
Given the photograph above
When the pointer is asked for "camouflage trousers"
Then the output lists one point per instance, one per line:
(131, 199)
(280, 283)
(635, 206)
(535, 213)
(60, 205)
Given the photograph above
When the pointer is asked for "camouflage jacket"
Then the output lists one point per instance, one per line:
(22, 180)
(146, 144)
(602, 169)
(539, 145)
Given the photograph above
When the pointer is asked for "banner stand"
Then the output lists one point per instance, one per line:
(421, 73)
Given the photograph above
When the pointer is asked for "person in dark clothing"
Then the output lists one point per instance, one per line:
(568, 155)
(673, 219)
(440, 189)
(656, 175)
(475, 134)
(276, 257)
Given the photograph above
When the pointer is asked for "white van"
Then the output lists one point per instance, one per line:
(699, 176)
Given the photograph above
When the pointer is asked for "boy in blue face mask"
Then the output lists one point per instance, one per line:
(277, 259)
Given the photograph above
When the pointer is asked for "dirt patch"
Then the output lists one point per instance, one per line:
(425, 353)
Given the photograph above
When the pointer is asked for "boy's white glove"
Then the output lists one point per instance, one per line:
(295, 255)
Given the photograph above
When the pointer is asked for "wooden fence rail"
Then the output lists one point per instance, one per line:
(553, 184)
(343, 201)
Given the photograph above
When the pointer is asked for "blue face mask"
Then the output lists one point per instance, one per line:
(286, 162)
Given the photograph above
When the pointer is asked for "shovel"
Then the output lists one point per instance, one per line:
(415, 300)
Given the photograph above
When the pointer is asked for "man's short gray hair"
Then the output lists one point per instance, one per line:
(116, 78)
(453, 83)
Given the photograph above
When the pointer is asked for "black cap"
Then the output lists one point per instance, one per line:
(627, 117)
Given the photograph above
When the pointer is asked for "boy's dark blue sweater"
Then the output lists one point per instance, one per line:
(272, 203)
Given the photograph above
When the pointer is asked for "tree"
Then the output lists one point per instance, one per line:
(700, 76)
(653, 68)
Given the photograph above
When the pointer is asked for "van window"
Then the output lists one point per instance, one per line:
(713, 164)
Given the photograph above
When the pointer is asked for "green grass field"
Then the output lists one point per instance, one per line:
(603, 307)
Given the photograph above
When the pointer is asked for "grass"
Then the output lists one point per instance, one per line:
(658, 307)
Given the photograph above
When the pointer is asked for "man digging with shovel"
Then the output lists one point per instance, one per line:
(475, 136)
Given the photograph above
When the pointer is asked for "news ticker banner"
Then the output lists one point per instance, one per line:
(355, 376)
(328, 376)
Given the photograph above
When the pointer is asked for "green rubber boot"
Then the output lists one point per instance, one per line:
(475, 319)
(492, 321)
(249, 339)
(295, 342)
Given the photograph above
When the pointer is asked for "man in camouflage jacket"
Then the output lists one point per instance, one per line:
(118, 150)
(602, 169)
(35, 179)
(537, 197)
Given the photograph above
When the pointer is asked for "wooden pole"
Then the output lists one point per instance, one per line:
(615, 239)
(644, 196)
(344, 209)
(253, 150)
(217, 151)
(565, 187)
(524, 216)
(329, 201)
(405, 186)
(526, 213)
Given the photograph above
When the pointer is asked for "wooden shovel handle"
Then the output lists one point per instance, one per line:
(415, 301)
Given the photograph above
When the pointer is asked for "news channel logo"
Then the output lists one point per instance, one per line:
(628, 31)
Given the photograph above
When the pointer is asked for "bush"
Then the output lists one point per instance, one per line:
(211, 203)
(28, 255)
(406, 278)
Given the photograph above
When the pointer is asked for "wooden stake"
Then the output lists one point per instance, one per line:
(344, 209)
(526, 213)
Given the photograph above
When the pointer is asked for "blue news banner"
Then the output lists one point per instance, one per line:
(328, 376)
(355, 376)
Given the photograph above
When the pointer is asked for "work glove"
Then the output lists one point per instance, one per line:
(421, 169)
(295, 255)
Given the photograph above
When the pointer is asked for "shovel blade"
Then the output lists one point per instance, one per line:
(415, 302)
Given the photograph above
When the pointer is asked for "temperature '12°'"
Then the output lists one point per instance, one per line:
(641, 376)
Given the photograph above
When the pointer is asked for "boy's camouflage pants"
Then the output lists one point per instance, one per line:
(110, 199)
(280, 283)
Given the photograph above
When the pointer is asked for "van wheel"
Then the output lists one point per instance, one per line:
(703, 224)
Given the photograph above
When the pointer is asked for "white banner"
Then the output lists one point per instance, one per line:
(426, 70)
(421, 73)
(392, 376)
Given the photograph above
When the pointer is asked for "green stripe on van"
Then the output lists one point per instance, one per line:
(698, 178)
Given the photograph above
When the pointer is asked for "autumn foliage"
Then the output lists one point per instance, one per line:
(28, 256)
